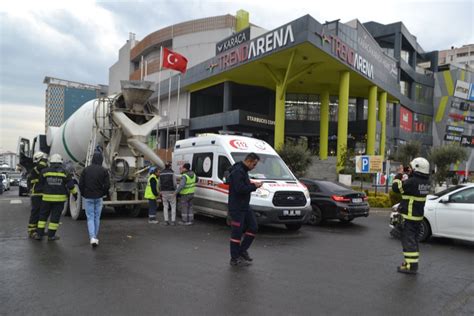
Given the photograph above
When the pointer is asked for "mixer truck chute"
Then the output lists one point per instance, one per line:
(119, 125)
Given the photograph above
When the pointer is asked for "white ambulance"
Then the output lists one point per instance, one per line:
(282, 199)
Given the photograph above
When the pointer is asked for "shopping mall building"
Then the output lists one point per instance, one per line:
(332, 85)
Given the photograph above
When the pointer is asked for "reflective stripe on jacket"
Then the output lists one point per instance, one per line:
(56, 184)
(413, 191)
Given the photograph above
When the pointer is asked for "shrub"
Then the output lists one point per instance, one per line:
(381, 200)
(297, 158)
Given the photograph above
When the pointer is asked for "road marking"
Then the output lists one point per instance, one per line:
(16, 202)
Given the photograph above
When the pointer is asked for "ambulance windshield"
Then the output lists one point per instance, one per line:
(269, 167)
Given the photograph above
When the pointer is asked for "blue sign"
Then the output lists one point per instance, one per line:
(471, 95)
(365, 163)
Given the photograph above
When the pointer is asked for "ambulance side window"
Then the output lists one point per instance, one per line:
(223, 165)
(202, 164)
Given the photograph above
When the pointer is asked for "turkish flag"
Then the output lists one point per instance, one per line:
(172, 60)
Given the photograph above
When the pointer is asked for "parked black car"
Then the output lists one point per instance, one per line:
(333, 200)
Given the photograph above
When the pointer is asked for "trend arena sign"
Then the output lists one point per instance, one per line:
(257, 47)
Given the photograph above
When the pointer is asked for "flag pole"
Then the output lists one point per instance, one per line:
(168, 114)
(158, 96)
(177, 107)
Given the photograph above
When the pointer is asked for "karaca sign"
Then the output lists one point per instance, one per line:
(257, 47)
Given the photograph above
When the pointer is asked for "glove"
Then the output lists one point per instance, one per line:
(75, 196)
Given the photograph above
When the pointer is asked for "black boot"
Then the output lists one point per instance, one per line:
(52, 235)
(408, 268)
(245, 255)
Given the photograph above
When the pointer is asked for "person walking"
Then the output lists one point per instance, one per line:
(40, 161)
(186, 189)
(168, 195)
(56, 184)
(242, 216)
(414, 191)
(94, 184)
(151, 194)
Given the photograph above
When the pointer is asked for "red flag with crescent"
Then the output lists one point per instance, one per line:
(175, 61)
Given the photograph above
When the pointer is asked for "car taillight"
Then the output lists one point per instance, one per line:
(339, 198)
(366, 198)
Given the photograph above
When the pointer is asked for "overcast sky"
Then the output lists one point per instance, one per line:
(79, 40)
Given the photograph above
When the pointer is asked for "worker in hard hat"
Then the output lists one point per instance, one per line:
(56, 184)
(40, 161)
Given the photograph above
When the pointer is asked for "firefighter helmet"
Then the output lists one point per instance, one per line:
(38, 156)
(56, 158)
(420, 165)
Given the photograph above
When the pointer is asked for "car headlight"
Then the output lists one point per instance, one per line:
(262, 193)
(306, 193)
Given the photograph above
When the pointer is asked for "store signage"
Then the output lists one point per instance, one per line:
(406, 119)
(469, 119)
(260, 120)
(452, 138)
(467, 141)
(462, 89)
(456, 116)
(233, 41)
(257, 47)
(454, 129)
(351, 57)
(369, 164)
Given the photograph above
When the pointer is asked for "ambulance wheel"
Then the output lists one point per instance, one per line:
(293, 227)
(75, 206)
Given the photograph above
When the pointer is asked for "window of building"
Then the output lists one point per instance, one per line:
(405, 56)
(202, 164)
(302, 107)
(422, 123)
(423, 94)
(461, 55)
(405, 88)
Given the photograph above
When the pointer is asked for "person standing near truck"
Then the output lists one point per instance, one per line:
(168, 194)
(186, 189)
(151, 194)
(56, 184)
(40, 161)
(94, 184)
(242, 216)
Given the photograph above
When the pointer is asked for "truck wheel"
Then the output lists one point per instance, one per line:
(316, 216)
(66, 211)
(76, 207)
(293, 227)
(136, 211)
(121, 210)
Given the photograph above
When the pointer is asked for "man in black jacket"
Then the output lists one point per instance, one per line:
(241, 215)
(94, 184)
(414, 191)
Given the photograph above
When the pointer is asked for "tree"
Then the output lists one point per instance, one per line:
(297, 157)
(442, 157)
(408, 152)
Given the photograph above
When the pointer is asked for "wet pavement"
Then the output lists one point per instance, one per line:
(145, 269)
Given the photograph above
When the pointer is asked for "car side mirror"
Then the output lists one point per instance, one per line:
(444, 199)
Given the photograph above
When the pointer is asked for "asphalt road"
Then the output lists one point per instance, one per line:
(144, 269)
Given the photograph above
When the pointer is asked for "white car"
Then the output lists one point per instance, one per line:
(449, 213)
(6, 182)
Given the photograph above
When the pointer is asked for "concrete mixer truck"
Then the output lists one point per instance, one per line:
(118, 125)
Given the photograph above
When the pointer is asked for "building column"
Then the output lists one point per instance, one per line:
(227, 100)
(324, 125)
(342, 118)
(371, 120)
(383, 121)
(280, 98)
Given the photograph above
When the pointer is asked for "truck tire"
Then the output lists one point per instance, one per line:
(75, 206)
(136, 211)
(293, 227)
(66, 211)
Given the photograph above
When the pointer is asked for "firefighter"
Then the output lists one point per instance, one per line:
(40, 161)
(56, 184)
(414, 191)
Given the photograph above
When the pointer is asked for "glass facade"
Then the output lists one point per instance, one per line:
(423, 94)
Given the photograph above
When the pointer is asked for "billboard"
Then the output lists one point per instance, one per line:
(462, 89)
(406, 119)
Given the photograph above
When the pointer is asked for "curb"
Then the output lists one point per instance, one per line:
(380, 210)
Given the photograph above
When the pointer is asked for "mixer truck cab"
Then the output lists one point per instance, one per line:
(282, 199)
